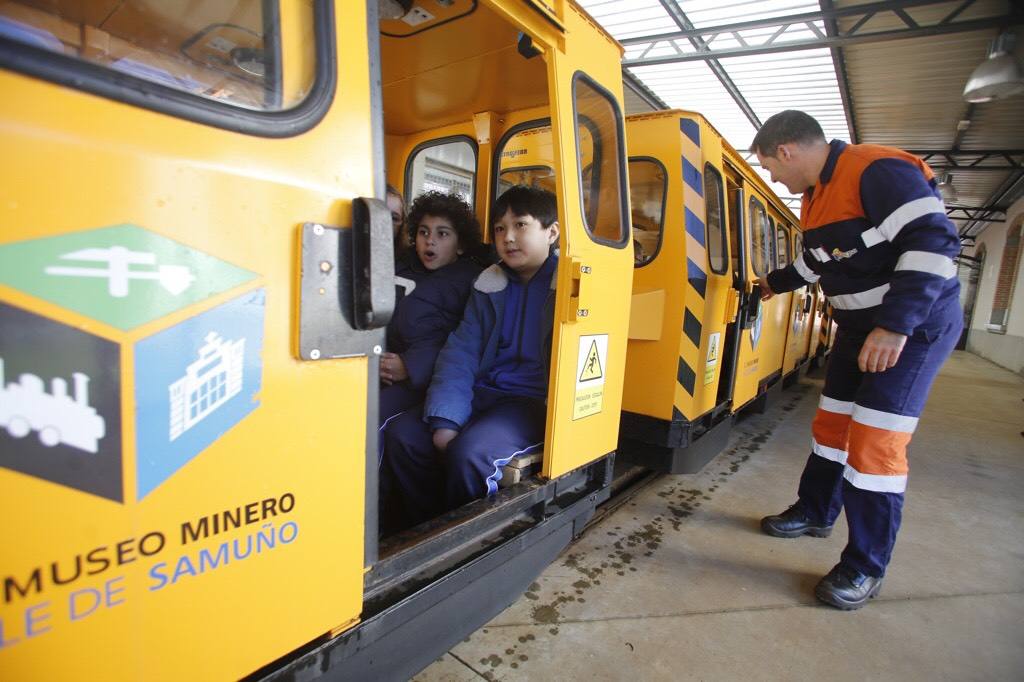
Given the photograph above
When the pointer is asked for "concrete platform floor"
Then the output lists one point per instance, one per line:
(679, 584)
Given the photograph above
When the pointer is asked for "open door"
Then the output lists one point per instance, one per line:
(596, 269)
(188, 482)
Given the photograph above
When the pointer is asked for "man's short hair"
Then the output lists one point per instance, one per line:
(785, 127)
(524, 200)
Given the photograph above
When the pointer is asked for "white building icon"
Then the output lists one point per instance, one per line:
(209, 382)
(25, 406)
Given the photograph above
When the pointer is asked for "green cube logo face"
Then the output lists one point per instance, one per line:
(123, 275)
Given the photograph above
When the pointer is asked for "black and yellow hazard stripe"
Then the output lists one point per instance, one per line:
(696, 262)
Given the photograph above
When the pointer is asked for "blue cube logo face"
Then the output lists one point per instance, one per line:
(60, 404)
(193, 382)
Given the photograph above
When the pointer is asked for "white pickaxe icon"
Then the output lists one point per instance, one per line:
(173, 278)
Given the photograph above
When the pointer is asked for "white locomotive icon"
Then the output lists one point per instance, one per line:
(213, 379)
(25, 406)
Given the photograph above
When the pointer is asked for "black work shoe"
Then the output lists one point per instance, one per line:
(847, 589)
(793, 523)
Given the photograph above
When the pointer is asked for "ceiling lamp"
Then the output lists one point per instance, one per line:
(998, 76)
(947, 189)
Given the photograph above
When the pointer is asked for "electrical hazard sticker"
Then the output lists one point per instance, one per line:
(712, 361)
(590, 372)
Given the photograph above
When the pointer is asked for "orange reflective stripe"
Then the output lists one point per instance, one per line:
(831, 429)
(878, 451)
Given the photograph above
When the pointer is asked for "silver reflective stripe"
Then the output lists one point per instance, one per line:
(805, 272)
(831, 454)
(871, 237)
(912, 210)
(858, 301)
(884, 420)
(821, 254)
(926, 261)
(837, 406)
(874, 482)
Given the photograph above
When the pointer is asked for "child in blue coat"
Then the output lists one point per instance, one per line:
(433, 282)
(486, 400)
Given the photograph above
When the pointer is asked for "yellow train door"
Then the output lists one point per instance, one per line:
(799, 310)
(749, 262)
(596, 268)
(185, 329)
(769, 333)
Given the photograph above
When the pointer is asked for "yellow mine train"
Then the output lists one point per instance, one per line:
(196, 270)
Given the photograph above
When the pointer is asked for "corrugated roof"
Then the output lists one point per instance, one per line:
(904, 92)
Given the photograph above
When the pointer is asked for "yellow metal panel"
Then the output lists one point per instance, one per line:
(645, 316)
(651, 366)
(240, 199)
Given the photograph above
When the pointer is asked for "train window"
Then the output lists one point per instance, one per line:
(648, 184)
(228, 51)
(602, 180)
(761, 247)
(714, 208)
(798, 244)
(782, 252)
(446, 165)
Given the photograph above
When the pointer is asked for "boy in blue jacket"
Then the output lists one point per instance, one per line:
(486, 401)
(433, 280)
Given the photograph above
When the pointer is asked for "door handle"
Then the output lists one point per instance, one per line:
(732, 305)
(578, 306)
(373, 263)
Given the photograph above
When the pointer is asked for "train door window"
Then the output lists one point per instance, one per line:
(714, 207)
(525, 157)
(798, 244)
(447, 165)
(782, 241)
(228, 51)
(761, 251)
(648, 184)
(602, 180)
(532, 176)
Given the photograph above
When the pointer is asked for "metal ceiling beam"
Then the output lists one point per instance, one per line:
(753, 44)
(643, 92)
(839, 61)
(683, 22)
(972, 159)
(986, 214)
(1005, 195)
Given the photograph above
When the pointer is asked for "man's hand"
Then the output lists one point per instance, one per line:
(766, 291)
(392, 368)
(442, 437)
(881, 350)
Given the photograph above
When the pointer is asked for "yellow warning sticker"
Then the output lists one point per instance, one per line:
(590, 371)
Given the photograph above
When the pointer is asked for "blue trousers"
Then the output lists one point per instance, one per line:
(861, 431)
(427, 483)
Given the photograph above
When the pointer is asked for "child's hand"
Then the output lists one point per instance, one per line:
(392, 368)
(442, 437)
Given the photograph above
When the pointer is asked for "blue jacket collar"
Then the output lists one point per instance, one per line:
(836, 148)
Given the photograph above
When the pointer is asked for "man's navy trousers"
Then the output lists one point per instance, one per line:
(860, 436)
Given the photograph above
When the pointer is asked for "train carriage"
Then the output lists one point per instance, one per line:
(192, 229)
